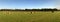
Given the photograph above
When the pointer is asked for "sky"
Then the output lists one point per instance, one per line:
(58, 4)
(24, 4)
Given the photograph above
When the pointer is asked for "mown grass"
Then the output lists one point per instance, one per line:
(26, 16)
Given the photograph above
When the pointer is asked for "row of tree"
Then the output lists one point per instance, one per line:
(28, 9)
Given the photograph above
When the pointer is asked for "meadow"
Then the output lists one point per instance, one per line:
(27, 16)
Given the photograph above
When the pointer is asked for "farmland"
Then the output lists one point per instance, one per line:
(27, 16)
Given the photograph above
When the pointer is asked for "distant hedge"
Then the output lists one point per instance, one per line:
(28, 10)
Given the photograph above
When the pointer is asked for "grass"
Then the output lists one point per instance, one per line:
(26, 16)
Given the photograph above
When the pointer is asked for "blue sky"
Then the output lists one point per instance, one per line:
(18, 4)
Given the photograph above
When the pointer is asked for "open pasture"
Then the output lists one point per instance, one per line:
(27, 16)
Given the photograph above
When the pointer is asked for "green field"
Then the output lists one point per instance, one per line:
(26, 16)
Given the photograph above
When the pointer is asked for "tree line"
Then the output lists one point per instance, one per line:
(29, 9)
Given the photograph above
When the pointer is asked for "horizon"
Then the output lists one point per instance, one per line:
(28, 8)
